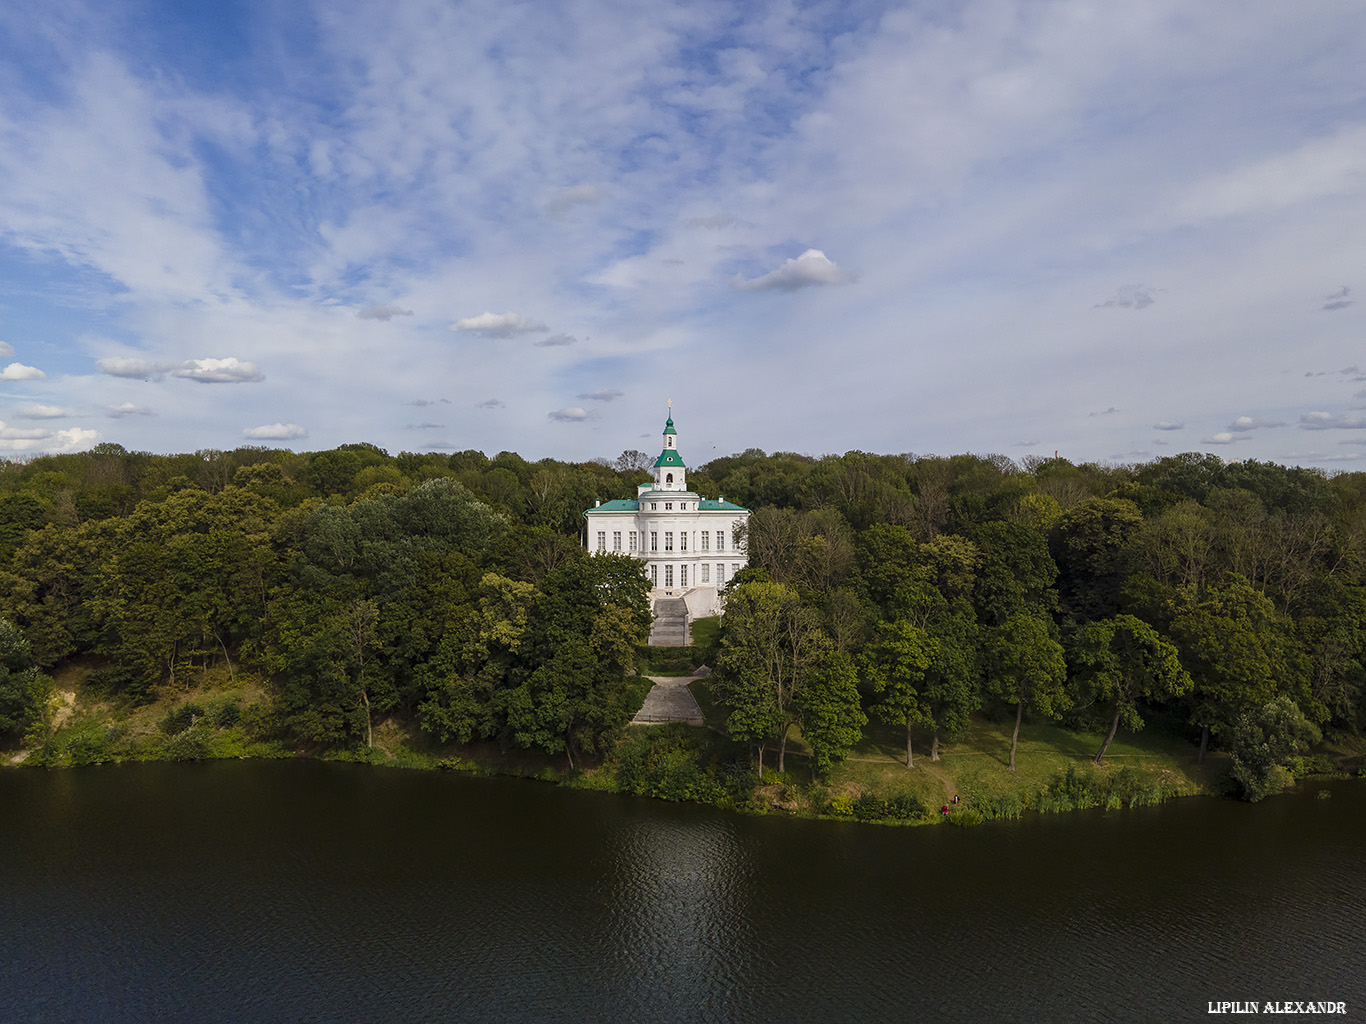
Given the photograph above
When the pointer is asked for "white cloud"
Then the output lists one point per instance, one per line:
(1129, 296)
(812, 267)
(127, 409)
(576, 195)
(385, 313)
(42, 412)
(18, 371)
(6, 349)
(1331, 421)
(70, 440)
(1169, 425)
(555, 340)
(1223, 437)
(1245, 423)
(220, 371)
(498, 325)
(491, 403)
(275, 432)
(143, 369)
(605, 395)
(573, 414)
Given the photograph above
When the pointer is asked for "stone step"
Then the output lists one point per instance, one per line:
(669, 700)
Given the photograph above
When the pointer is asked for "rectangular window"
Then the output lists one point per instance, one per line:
(602, 540)
(683, 541)
(654, 541)
(616, 540)
(706, 572)
(720, 540)
(720, 573)
(668, 576)
(682, 575)
(654, 575)
(706, 540)
(669, 540)
(652, 506)
(733, 570)
(633, 540)
(668, 506)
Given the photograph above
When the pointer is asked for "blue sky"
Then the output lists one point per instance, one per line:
(1113, 231)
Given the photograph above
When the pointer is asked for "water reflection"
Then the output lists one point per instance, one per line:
(680, 938)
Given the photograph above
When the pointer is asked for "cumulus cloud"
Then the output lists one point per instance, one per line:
(605, 395)
(492, 403)
(555, 340)
(1331, 421)
(1338, 300)
(122, 366)
(1245, 423)
(70, 440)
(812, 267)
(382, 313)
(127, 409)
(6, 349)
(18, 371)
(499, 325)
(1169, 425)
(1223, 437)
(573, 414)
(275, 432)
(41, 412)
(576, 195)
(1129, 296)
(219, 371)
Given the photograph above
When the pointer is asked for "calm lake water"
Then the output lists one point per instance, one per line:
(298, 891)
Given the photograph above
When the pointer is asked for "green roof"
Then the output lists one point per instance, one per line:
(712, 505)
(669, 426)
(616, 505)
(669, 457)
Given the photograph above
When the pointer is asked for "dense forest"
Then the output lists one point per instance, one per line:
(451, 592)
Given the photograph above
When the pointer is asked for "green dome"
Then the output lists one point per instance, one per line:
(669, 457)
(669, 426)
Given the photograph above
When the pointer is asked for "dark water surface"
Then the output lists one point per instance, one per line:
(298, 891)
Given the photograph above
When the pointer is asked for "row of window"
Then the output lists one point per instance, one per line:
(669, 505)
(703, 577)
(705, 537)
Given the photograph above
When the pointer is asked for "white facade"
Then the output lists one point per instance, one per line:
(691, 545)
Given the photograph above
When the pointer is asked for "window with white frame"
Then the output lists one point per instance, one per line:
(632, 540)
(602, 540)
(654, 541)
(654, 575)
(720, 572)
(669, 540)
(616, 540)
(683, 541)
(668, 506)
(706, 540)
(734, 569)
(720, 540)
(668, 576)
(706, 572)
(682, 575)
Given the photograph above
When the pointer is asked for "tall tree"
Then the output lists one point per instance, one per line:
(1121, 660)
(895, 664)
(1027, 668)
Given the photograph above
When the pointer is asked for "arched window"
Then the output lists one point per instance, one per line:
(669, 478)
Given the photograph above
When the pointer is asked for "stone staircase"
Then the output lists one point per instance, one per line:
(669, 700)
(670, 628)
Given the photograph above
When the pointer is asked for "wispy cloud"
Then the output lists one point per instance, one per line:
(605, 395)
(555, 340)
(127, 409)
(1169, 425)
(573, 414)
(1338, 300)
(576, 195)
(385, 313)
(811, 268)
(1223, 437)
(42, 412)
(1331, 421)
(1245, 423)
(1129, 296)
(219, 371)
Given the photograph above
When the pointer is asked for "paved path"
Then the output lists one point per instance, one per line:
(669, 700)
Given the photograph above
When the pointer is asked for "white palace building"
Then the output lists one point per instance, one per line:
(691, 545)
